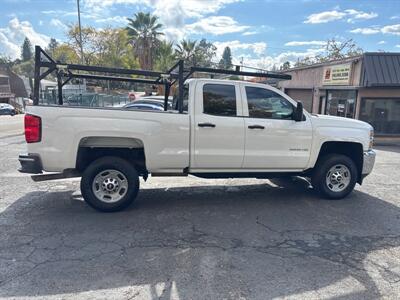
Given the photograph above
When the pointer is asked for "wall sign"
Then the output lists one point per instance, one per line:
(337, 75)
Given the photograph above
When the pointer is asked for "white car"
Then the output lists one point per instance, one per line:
(230, 129)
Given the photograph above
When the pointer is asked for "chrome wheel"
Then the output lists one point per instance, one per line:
(110, 186)
(338, 178)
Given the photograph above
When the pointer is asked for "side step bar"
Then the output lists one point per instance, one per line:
(54, 176)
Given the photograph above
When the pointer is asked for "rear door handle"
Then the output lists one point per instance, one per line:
(206, 125)
(256, 127)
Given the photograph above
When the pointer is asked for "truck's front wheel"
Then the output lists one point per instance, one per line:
(110, 184)
(335, 176)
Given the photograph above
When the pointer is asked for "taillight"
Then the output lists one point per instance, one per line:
(33, 129)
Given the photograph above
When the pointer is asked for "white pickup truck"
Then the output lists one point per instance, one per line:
(223, 129)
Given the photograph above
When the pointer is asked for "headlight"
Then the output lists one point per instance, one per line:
(371, 138)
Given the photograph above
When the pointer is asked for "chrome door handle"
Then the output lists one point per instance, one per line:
(206, 125)
(256, 127)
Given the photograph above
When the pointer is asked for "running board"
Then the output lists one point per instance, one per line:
(55, 176)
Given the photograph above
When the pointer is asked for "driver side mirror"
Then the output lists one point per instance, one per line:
(298, 113)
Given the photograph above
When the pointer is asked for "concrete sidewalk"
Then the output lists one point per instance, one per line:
(11, 126)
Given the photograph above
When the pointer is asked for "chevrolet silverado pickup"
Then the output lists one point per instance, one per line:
(223, 129)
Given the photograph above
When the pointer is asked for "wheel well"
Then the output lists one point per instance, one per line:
(86, 155)
(350, 149)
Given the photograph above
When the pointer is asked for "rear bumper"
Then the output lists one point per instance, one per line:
(30, 163)
(368, 163)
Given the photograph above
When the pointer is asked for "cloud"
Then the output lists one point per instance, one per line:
(397, 46)
(250, 33)
(391, 29)
(216, 25)
(13, 35)
(240, 49)
(381, 42)
(58, 23)
(325, 17)
(359, 15)
(366, 30)
(388, 29)
(306, 43)
(191, 8)
(268, 62)
(333, 15)
(174, 15)
(59, 12)
(254, 54)
(120, 20)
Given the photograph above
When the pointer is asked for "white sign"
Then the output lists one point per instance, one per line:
(337, 75)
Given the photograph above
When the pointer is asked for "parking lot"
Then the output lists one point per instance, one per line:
(188, 238)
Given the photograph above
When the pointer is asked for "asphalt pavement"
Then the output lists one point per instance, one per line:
(11, 125)
(189, 238)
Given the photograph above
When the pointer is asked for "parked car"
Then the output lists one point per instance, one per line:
(7, 109)
(149, 103)
(142, 105)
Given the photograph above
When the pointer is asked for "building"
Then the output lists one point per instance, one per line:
(12, 88)
(5, 89)
(365, 87)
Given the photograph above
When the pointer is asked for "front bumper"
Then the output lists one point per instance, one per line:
(30, 163)
(368, 163)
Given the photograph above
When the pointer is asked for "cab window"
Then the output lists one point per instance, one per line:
(267, 104)
(219, 99)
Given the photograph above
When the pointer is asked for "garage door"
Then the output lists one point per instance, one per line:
(303, 95)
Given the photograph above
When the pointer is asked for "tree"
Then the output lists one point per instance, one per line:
(285, 66)
(196, 54)
(26, 50)
(53, 44)
(89, 45)
(205, 53)
(114, 49)
(5, 60)
(335, 50)
(186, 50)
(339, 50)
(65, 53)
(226, 60)
(165, 56)
(144, 35)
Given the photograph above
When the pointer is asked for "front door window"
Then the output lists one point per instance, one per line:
(341, 103)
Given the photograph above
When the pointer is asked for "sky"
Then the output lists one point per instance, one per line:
(261, 33)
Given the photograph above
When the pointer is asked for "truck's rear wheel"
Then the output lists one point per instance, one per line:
(110, 184)
(335, 176)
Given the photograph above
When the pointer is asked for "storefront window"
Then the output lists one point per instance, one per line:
(382, 114)
(341, 103)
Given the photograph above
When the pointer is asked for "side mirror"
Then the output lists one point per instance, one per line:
(298, 113)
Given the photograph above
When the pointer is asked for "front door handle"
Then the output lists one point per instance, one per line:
(256, 127)
(206, 125)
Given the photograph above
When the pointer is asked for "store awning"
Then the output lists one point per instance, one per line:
(381, 70)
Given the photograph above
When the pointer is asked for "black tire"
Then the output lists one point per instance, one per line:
(101, 165)
(324, 165)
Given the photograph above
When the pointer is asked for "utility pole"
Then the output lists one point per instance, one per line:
(80, 31)
(80, 40)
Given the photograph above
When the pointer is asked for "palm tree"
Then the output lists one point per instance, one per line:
(144, 35)
(186, 50)
(165, 56)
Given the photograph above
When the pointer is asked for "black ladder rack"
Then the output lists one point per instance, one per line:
(176, 74)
